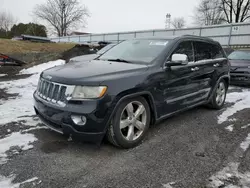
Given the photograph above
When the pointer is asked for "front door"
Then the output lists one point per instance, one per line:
(180, 86)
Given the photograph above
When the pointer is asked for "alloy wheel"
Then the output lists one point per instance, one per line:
(133, 120)
(220, 93)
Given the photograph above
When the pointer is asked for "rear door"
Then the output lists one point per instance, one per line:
(220, 62)
(207, 61)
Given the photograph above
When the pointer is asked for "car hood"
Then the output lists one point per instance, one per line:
(240, 63)
(91, 72)
(84, 58)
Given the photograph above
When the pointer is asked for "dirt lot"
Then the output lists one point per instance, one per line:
(36, 53)
(195, 149)
(13, 47)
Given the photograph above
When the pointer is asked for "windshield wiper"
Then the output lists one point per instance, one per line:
(119, 60)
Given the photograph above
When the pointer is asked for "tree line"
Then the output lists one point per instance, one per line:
(63, 16)
(9, 28)
(60, 16)
(213, 12)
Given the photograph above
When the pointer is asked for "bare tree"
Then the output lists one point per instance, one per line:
(236, 10)
(178, 23)
(62, 15)
(7, 20)
(209, 12)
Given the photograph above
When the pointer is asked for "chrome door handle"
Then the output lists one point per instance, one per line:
(195, 69)
(216, 65)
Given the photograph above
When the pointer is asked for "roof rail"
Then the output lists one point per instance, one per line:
(197, 36)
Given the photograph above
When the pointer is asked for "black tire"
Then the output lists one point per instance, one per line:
(214, 103)
(114, 134)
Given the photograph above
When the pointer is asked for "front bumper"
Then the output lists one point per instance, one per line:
(59, 119)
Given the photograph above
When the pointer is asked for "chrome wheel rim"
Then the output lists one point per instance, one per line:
(133, 121)
(220, 93)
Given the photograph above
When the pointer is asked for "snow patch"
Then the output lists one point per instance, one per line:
(245, 145)
(230, 128)
(246, 126)
(23, 141)
(7, 182)
(240, 100)
(34, 128)
(227, 176)
(29, 180)
(168, 185)
(232, 120)
(21, 107)
(2, 75)
(39, 68)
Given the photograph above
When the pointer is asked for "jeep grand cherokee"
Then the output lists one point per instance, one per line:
(133, 85)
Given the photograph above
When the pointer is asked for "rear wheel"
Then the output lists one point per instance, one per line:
(219, 95)
(130, 123)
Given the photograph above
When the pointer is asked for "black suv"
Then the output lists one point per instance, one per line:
(132, 86)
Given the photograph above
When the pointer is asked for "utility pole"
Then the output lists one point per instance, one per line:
(63, 19)
(168, 21)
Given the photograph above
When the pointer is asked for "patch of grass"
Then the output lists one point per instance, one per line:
(15, 47)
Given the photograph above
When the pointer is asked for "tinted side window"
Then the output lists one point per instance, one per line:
(217, 52)
(205, 51)
(185, 48)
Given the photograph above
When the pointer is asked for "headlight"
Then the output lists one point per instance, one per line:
(88, 92)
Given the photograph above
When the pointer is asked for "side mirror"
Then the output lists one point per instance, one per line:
(178, 59)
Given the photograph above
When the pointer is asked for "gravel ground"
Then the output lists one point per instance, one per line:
(189, 150)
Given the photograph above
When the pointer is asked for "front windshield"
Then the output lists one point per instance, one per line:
(139, 50)
(239, 55)
(105, 48)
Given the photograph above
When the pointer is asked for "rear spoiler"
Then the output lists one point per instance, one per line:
(6, 60)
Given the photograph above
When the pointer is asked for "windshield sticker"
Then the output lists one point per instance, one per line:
(159, 43)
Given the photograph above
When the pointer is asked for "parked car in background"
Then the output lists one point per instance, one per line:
(92, 56)
(240, 67)
(228, 51)
(136, 83)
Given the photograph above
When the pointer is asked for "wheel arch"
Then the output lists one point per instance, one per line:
(147, 96)
(223, 77)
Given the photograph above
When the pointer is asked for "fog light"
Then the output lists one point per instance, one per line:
(79, 120)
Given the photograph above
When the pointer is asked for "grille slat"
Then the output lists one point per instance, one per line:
(52, 88)
(42, 87)
(47, 89)
(58, 94)
(52, 92)
(62, 93)
(54, 97)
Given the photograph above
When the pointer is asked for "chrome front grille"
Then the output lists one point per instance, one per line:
(53, 92)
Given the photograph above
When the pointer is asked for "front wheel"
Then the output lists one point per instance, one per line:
(219, 96)
(130, 123)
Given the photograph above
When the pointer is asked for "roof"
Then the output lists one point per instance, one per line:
(178, 37)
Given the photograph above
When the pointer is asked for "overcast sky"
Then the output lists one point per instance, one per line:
(115, 15)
